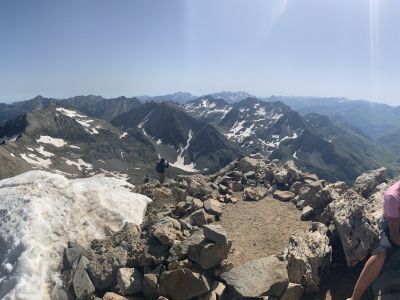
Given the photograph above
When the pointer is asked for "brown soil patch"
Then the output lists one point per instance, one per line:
(261, 228)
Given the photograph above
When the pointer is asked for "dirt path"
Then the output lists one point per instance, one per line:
(260, 228)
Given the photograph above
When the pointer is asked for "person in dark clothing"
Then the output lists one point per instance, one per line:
(146, 178)
(160, 168)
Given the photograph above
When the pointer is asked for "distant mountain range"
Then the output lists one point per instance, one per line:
(333, 137)
(334, 150)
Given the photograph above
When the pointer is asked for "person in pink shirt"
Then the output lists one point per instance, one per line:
(389, 240)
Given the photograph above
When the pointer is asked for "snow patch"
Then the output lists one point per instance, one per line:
(180, 160)
(42, 211)
(33, 159)
(124, 134)
(80, 164)
(45, 139)
(44, 152)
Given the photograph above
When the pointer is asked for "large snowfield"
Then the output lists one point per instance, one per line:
(41, 211)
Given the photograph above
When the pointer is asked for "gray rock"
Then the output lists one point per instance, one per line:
(165, 234)
(213, 207)
(356, 221)
(366, 182)
(83, 286)
(208, 254)
(103, 268)
(294, 291)
(72, 255)
(309, 256)
(307, 214)
(223, 188)
(215, 233)
(254, 193)
(236, 186)
(250, 175)
(179, 250)
(182, 284)
(130, 281)
(284, 196)
(199, 218)
(264, 276)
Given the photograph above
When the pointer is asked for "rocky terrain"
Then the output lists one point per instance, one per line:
(182, 250)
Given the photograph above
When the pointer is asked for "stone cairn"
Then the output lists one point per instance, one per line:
(180, 250)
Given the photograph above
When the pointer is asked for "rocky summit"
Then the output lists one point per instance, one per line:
(182, 251)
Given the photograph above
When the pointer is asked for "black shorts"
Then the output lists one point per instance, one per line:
(385, 244)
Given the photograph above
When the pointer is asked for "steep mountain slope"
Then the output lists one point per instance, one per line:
(374, 119)
(338, 153)
(261, 126)
(189, 144)
(10, 111)
(93, 106)
(332, 150)
(207, 109)
(68, 142)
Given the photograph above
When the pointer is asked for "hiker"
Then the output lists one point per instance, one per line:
(160, 168)
(388, 242)
(146, 178)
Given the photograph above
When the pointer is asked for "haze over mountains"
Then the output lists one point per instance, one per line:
(90, 135)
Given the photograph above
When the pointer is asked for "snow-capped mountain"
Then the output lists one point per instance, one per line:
(334, 151)
(207, 108)
(68, 142)
(187, 143)
(93, 106)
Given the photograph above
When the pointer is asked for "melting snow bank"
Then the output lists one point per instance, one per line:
(40, 212)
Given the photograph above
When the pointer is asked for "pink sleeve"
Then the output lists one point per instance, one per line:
(390, 207)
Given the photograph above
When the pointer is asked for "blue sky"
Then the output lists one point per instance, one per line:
(265, 47)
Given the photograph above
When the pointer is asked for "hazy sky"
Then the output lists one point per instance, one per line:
(265, 47)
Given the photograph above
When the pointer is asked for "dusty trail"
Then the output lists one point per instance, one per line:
(260, 228)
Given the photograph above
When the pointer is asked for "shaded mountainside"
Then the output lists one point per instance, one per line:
(93, 106)
(70, 143)
(186, 142)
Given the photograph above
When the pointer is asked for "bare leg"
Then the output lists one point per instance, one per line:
(369, 273)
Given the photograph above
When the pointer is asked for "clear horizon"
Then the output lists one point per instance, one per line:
(337, 48)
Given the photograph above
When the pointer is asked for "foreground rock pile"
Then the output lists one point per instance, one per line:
(180, 250)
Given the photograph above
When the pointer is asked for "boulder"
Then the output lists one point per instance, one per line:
(259, 277)
(199, 218)
(307, 214)
(309, 256)
(213, 207)
(223, 189)
(179, 194)
(236, 186)
(72, 255)
(284, 196)
(165, 234)
(160, 193)
(114, 296)
(250, 175)
(182, 284)
(208, 254)
(254, 193)
(198, 186)
(83, 286)
(179, 250)
(235, 175)
(103, 267)
(215, 233)
(130, 281)
(366, 182)
(247, 164)
(356, 221)
(294, 291)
